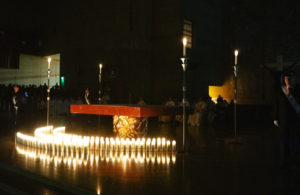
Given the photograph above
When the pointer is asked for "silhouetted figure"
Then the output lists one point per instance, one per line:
(16, 107)
(287, 117)
(211, 110)
(167, 119)
(196, 119)
(141, 102)
(86, 97)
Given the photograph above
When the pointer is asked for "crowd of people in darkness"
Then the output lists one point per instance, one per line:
(34, 99)
(204, 111)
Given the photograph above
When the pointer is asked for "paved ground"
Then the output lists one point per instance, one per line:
(212, 164)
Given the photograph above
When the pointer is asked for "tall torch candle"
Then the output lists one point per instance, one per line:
(49, 62)
(184, 41)
(236, 53)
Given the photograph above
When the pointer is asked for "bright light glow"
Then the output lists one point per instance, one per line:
(236, 52)
(57, 141)
(184, 41)
(49, 60)
(100, 66)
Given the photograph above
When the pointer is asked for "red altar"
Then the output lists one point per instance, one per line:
(128, 121)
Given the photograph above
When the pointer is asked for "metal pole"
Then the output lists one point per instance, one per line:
(183, 110)
(235, 99)
(235, 71)
(184, 64)
(48, 92)
(99, 92)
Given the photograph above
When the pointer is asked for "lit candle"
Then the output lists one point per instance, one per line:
(153, 144)
(102, 143)
(184, 41)
(97, 143)
(236, 53)
(158, 144)
(49, 62)
(163, 145)
(173, 145)
(92, 140)
(106, 143)
(168, 145)
(148, 144)
(132, 144)
(118, 143)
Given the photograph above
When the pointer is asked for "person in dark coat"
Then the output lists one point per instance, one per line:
(287, 117)
(16, 107)
(86, 97)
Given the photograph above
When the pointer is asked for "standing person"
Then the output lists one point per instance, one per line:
(86, 97)
(16, 106)
(196, 119)
(287, 117)
(166, 119)
(211, 110)
(141, 102)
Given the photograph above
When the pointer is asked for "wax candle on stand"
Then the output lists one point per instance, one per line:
(49, 62)
(236, 53)
(184, 41)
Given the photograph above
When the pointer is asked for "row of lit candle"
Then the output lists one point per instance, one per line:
(47, 138)
(107, 156)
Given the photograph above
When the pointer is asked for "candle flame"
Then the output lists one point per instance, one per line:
(100, 66)
(49, 60)
(184, 41)
(236, 52)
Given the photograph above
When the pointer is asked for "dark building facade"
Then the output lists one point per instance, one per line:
(139, 44)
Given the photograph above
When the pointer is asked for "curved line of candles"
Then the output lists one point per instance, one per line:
(72, 159)
(56, 140)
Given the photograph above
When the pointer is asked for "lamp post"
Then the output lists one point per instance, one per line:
(48, 91)
(184, 66)
(100, 74)
(235, 71)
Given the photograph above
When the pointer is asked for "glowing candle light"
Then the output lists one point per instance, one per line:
(163, 159)
(168, 145)
(112, 141)
(107, 143)
(86, 145)
(92, 142)
(163, 145)
(102, 143)
(148, 144)
(158, 144)
(127, 142)
(138, 150)
(132, 144)
(173, 145)
(168, 160)
(118, 144)
(137, 144)
(143, 142)
(153, 144)
(236, 53)
(184, 42)
(173, 159)
(142, 145)
(123, 145)
(97, 141)
(49, 62)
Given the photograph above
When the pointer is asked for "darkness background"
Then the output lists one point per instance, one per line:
(139, 43)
